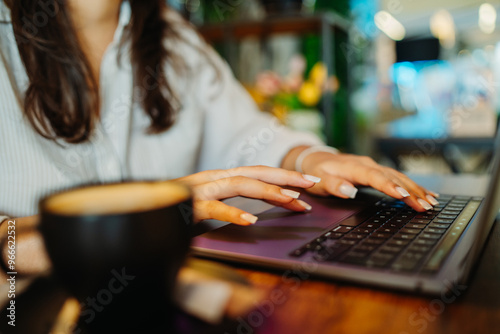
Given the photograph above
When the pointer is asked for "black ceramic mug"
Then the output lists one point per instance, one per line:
(118, 247)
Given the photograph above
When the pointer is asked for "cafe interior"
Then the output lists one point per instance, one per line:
(411, 83)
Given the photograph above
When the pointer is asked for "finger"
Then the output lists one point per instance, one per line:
(339, 187)
(243, 186)
(421, 195)
(295, 205)
(221, 211)
(267, 174)
(408, 183)
(383, 179)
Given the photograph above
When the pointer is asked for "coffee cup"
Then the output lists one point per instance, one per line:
(117, 247)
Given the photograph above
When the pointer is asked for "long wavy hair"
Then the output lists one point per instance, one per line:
(62, 99)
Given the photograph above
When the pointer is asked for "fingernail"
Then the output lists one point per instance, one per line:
(434, 194)
(290, 193)
(424, 204)
(311, 178)
(402, 192)
(305, 205)
(249, 218)
(431, 200)
(348, 190)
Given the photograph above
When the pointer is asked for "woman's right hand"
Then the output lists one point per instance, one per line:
(260, 182)
(30, 251)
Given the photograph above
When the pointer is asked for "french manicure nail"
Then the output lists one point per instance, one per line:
(402, 191)
(305, 205)
(249, 218)
(436, 195)
(290, 193)
(431, 200)
(348, 190)
(311, 178)
(424, 204)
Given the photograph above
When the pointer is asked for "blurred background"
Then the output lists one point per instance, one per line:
(413, 83)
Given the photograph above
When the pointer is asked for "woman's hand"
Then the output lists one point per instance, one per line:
(341, 173)
(260, 182)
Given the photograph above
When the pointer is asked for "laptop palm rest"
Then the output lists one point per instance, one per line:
(279, 231)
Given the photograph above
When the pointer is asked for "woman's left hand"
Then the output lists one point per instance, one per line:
(341, 173)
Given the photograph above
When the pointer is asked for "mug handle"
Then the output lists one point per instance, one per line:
(8, 260)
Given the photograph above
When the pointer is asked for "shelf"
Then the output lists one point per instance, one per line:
(273, 25)
(324, 24)
(393, 148)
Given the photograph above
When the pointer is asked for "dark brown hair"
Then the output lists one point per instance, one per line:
(62, 99)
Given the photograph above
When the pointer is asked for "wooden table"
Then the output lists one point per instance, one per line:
(315, 305)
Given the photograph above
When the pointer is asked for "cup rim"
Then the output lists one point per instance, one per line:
(43, 210)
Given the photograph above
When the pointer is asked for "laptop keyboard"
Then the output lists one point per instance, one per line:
(393, 236)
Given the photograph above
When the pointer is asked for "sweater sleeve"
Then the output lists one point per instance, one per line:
(236, 132)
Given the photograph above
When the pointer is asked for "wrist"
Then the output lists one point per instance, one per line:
(312, 155)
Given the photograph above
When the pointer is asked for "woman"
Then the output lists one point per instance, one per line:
(99, 91)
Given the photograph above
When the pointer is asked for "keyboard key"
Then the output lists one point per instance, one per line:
(410, 230)
(425, 242)
(404, 236)
(394, 224)
(331, 253)
(380, 260)
(384, 229)
(342, 229)
(458, 207)
(363, 230)
(439, 225)
(390, 249)
(365, 247)
(420, 221)
(430, 236)
(381, 235)
(411, 256)
(398, 242)
(354, 258)
(335, 235)
(369, 225)
(347, 242)
(450, 212)
(355, 236)
(425, 216)
(298, 252)
(419, 249)
(435, 230)
(373, 241)
(442, 221)
(377, 221)
(415, 226)
(399, 220)
(442, 216)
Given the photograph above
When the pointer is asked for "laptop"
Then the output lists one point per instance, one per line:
(372, 240)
